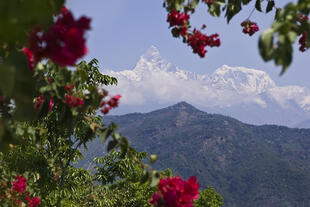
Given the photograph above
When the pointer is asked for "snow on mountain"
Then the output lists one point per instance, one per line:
(247, 94)
(241, 80)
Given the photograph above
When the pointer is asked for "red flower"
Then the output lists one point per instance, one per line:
(39, 102)
(199, 41)
(302, 17)
(64, 43)
(213, 40)
(69, 87)
(249, 27)
(177, 19)
(209, 2)
(175, 192)
(33, 202)
(73, 102)
(303, 42)
(51, 104)
(19, 185)
(30, 57)
(106, 110)
(64, 10)
(114, 101)
(182, 31)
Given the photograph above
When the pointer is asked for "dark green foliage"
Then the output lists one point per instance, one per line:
(209, 198)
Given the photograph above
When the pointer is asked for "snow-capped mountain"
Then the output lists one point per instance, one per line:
(249, 95)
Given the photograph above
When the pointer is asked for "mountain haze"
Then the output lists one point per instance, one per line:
(251, 166)
(249, 95)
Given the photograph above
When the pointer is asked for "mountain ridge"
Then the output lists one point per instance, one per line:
(251, 166)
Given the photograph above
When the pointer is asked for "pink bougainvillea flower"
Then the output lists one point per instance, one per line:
(114, 101)
(108, 105)
(199, 41)
(175, 192)
(33, 202)
(69, 87)
(249, 27)
(177, 19)
(19, 185)
(30, 57)
(106, 110)
(64, 42)
(51, 104)
(39, 102)
(303, 42)
(73, 102)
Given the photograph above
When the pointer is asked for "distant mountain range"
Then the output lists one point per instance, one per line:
(249, 95)
(251, 166)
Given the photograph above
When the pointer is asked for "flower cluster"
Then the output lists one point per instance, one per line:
(108, 105)
(33, 202)
(196, 39)
(175, 192)
(303, 42)
(73, 101)
(199, 41)
(63, 43)
(179, 20)
(69, 87)
(19, 185)
(249, 27)
(302, 17)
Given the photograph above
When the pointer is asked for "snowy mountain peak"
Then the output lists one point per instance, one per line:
(151, 54)
(152, 60)
(241, 79)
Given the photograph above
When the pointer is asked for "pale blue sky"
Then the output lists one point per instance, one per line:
(123, 29)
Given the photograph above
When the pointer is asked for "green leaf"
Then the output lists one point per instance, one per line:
(265, 45)
(258, 5)
(155, 177)
(215, 9)
(233, 7)
(193, 4)
(270, 5)
(245, 2)
(144, 177)
(276, 16)
(112, 144)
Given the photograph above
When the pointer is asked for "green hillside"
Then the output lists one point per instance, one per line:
(251, 166)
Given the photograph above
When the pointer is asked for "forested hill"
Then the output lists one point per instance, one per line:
(251, 166)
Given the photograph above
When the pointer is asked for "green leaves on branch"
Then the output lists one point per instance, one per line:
(276, 42)
(233, 7)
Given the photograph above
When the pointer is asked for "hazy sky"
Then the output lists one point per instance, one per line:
(123, 29)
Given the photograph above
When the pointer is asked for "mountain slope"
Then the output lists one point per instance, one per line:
(251, 166)
(249, 95)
